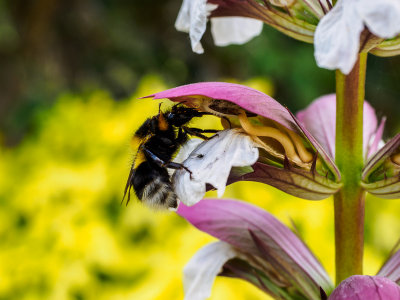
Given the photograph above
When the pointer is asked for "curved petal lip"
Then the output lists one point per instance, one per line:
(251, 100)
(260, 103)
(233, 221)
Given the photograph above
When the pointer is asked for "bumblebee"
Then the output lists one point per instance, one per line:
(159, 139)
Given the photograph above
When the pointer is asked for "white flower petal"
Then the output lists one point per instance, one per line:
(234, 30)
(192, 18)
(381, 17)
(337, 37)
(184, 152)
(211, 163)
(182, 22)
(199, 274)
(186, 149)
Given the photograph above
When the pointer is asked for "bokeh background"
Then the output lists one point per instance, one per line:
(70, 78)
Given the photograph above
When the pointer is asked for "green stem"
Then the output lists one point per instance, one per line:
(350, 201)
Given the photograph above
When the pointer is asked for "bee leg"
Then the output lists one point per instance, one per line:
(178, 166)
(169, 164)
(128, 187)
(182, 136)
(199, 132)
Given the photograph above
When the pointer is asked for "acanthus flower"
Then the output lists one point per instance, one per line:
(357, 26)
(256, 247)
(253, 246)
(263, 142)
(338, 32)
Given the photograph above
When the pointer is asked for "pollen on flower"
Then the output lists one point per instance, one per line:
(396, 158)
(290, 142)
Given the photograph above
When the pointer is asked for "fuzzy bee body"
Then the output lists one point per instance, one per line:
(159, 139)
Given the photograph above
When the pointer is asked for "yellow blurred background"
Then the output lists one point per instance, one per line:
(65, 235)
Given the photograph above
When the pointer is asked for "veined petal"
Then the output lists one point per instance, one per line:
(381, 174)
(370, 128)
(320, 120)
(234, 30)
(381, 17)
(296, 182)
(387, 48)
(366, 287)
(211, 163)
(281, 3)
(256, 232)
(296, 20)
(337, 37)
(200, 272)
(316, 8)
(376, 142)
(391, 268)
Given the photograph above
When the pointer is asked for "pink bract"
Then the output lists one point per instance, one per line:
(366, 288)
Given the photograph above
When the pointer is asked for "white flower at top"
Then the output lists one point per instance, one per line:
(192, 18)
(338, 33)
(337, 38)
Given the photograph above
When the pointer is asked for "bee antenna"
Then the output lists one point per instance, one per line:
(159, 108)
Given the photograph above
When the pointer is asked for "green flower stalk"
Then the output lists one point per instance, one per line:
(350, 201)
